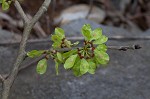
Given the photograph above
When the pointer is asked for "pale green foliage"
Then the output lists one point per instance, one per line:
(5, 4)
(56, 67)
(81, 60)
(86, 31)
(41, 66)
(59, 56)
(35, 53)
(84, 66)
(69, 63)
(101, 57)
(92, 67)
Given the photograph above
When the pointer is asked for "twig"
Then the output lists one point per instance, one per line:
(120, 48)
(124, 48)
(31, 63)
(21, 54)
(38, 29)
(21, 12)
(10, 19)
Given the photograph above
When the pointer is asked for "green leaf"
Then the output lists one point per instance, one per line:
(41, 66)
(92, 67)
(1, 1)
(76, 68)
(76, 43)
(9, 2)
(56, 67)
(56, 38)
(5, 6)
(84, 66)
(69, 63)
(101, 40)
(96, 34)
(59, 56)
(86, 31)
(102, 47)
(67, 43)
(60, 32)
(101, 57)
(67, 54)
(35, 53)
(56, 45)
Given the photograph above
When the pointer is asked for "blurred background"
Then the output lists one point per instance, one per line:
(127, 76)
(133, 15)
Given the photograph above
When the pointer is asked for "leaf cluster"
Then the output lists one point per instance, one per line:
(5, 4)
(81, 60)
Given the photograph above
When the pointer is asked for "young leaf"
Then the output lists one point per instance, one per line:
(76, 68)
(56, 67)
(69, 63)
(41, 66)
(101, 57)
(96, 34)
(60, 32)
(5, 5)
(59, 56)
(56, 38)
(84, 66)
(101, 40)
(92, 67)
(9, 2)
(56, 45)
(67, 43)
(76, 43)
(67, 54)
(102, 47)
(35, 53)
(86, 31)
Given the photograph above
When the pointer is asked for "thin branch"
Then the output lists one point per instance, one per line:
(124, 48)
(41, 11)
(21, 54)
(20, 10)
(120, 48)
(31, 63)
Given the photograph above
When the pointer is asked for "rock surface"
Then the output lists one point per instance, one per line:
(127, 75)
(6, 36)
(80, 11)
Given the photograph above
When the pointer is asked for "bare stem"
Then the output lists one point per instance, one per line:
(21, 12)
(120, 48)
(124, 48)
(21, 54)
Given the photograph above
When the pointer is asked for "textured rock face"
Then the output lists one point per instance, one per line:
(127, 75)
(5, 35)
